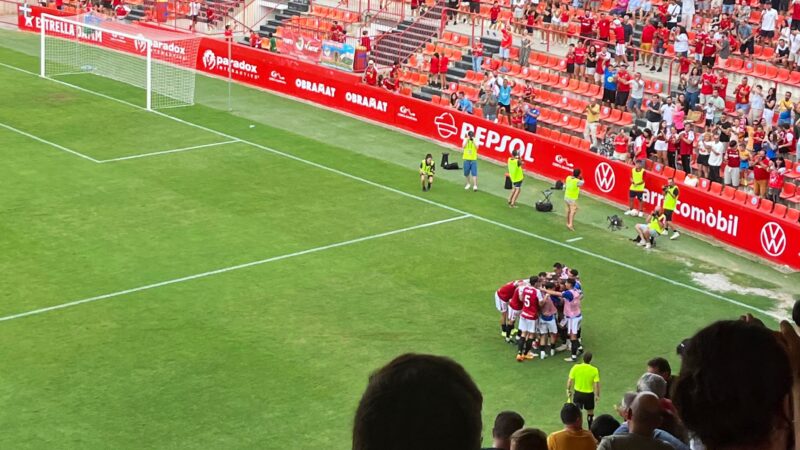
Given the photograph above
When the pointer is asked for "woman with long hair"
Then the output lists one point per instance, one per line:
(769, 108)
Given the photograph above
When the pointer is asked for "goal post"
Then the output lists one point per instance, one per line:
(161, 63)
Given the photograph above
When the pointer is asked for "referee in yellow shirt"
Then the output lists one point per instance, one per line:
(583, 386)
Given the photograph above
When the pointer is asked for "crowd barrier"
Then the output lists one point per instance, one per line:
(738, 225)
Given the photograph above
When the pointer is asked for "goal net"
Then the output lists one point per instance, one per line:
(160, 62)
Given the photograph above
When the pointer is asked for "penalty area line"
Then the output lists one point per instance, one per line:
(231, 268)
(575, 239)
(166, 152)
(431, 202)
(46, 142)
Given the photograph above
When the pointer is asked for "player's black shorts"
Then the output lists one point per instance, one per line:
(506, 108)
(636, 194)
(622, 98)
(668, 214)
(609, 96)
(584, 400)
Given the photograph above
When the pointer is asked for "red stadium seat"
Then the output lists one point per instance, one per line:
(789, 191)
(716, 188)
(765, 205)
(793, 215)
(779, 210)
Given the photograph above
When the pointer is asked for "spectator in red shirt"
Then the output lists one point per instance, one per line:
(742, 94)
(434, 63)
(255, 39)
(505, 44)
(795, 15)
(619, 37)
(580, 60)
(661, 40)
(725, 23)
(760, 166)
(477, 56)
(587, 24)
(684, 65)
(699, 42)
(366, 42)
(721, 84)
(709, 52)
(337, 32)
(494, 14)
(621, 152)
(707, 82)
(371, 74)
(210, 17)
(646, 43)
(623, 87)
(444, 61)
(228, 34)
(604, 28)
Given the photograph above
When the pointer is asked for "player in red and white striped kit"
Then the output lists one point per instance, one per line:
(501, 299)
(526, 300)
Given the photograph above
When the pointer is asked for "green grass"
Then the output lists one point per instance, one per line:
(276, 355)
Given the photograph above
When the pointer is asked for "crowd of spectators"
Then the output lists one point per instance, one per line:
(738, 388)
(738, 135)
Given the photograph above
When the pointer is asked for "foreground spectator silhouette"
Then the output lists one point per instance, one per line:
(573, 436)
(529, 439)
(604, 425)
(505, 424)
(734, 386)
(644, 416)
(420, 402)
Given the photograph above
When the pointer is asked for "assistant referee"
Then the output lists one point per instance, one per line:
(583, 386)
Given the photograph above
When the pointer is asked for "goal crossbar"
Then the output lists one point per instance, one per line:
(160, 62)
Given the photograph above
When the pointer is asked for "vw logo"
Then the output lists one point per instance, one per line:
(604, 177)
(773, 239)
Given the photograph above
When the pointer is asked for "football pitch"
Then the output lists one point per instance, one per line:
(205, 278)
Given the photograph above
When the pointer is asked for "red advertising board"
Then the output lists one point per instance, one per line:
(734, 224)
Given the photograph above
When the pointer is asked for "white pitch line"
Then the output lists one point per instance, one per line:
(431, 202)
(166, 152)
(575, 239)
(231, 268)
(46, 142)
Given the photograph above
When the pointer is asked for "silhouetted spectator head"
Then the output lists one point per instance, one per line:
(623, 409)
(420, 402)
(796, 313)
(604, 425)
(660, 366)
(650, 382)
(505, 424)
(645, 414)
(733, 386)
(529, 439)
(571, 415)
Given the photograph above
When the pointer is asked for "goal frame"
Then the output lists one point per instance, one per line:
(148, 49)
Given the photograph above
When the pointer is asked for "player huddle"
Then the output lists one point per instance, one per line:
(543, 313)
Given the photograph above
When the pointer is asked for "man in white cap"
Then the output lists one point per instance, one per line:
(371, 74)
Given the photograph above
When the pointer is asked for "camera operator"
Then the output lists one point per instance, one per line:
(671, 194)
(653, 228)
